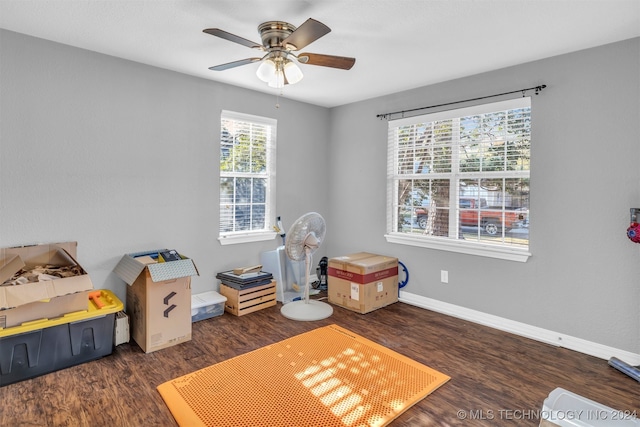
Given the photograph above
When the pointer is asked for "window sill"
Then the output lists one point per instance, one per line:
(469, 248)
(258, 236)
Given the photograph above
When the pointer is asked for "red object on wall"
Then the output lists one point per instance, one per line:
(633, 232)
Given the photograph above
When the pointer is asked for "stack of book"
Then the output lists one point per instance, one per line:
(244, 280)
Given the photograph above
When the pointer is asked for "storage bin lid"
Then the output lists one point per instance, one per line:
(207, 298)
(108, 304)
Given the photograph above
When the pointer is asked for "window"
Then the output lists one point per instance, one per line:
(247, 177)
(458, 180)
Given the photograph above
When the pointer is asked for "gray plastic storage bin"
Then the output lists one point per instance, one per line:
(40, 347)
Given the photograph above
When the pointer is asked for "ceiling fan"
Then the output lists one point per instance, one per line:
(279, 42)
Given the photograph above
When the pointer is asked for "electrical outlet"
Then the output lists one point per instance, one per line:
(444, 276)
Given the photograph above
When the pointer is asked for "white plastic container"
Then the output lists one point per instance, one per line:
(207, 305)
(566, 409)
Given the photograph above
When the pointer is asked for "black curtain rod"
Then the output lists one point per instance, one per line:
(538, 89)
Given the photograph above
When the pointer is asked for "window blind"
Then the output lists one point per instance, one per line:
(247, 173)
(462, 174)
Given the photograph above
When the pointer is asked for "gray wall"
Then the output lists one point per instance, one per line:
(123, 157)
(584, 276)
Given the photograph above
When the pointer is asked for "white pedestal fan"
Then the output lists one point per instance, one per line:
(304, 237)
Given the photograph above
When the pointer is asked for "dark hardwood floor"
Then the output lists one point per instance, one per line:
(497, 379)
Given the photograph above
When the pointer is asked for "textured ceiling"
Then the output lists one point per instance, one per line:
(398, 44)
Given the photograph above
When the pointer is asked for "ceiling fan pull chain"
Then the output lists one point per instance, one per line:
(278, 99)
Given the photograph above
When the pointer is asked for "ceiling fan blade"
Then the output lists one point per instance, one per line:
(232, 38)
(342, 62)
(310, 31)
(234, 64)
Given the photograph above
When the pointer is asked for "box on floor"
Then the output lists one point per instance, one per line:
(46, 345)
(363, 281)
(158, 298)
(207, 305)
(47, 296)
(244, 301)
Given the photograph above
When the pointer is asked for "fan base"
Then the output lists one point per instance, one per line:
(306, 310)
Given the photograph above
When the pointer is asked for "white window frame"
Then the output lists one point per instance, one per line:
(520, 254)
(266, 233)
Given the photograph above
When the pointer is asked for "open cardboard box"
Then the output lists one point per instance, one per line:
(9, 266)
(44, 299)
(158, 298)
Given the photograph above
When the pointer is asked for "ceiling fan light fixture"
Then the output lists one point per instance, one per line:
(266, 70)
(277, 80)
(292, 72)
(278, 72)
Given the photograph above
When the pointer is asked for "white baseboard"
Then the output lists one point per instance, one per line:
(522, 329)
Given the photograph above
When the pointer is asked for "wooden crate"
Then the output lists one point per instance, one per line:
(245, 301)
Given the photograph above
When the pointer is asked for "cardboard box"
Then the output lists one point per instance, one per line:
(10, 266)
(158, 299)
(46, 309)
(363, 281)
(42, 299)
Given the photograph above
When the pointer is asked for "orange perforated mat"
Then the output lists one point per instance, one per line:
(326, 377)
